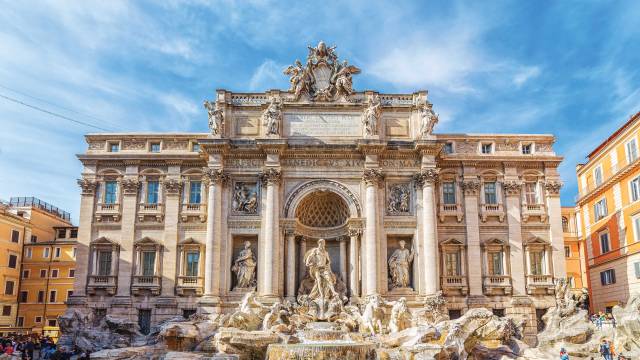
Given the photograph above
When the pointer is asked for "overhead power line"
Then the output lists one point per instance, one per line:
(34, 107)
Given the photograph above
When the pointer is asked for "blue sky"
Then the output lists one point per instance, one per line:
(569, 68)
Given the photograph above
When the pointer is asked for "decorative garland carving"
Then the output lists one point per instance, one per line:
(512, 187)
(470, 187)
(172, 186)
(373, 177)
(88, 187)
(130, 186)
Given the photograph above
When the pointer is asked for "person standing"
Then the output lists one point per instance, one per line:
(563, 354)
(605, 350)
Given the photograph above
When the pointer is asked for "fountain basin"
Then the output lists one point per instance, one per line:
(324, 350)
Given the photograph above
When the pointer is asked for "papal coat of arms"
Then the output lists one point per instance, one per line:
(323, 77)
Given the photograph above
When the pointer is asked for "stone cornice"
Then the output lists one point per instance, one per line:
(427, 147)
(214, 146)
(272, 146)
(371, 146)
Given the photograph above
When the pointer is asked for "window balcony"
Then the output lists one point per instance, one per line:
(153, 210)
(540, 284)
(110, 211)
(107, 283)
(454, 285)
(529, 210)
(193, 210)
(190, 285)
(488, 210)
(143, 285)
(453, 210)
(497, 285)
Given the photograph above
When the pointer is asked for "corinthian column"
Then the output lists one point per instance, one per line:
(291, 264)
(353, 262)
(427, 179)
(268, 262)
(372, 179)
(215, 177)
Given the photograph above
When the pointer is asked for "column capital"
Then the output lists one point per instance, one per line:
(373, 177)
(130, 186)
(172, 186)
(87, 186)
(214, 176)
(426, 177)
(470, 187)
(512, 187)
(270, 176)
(355, 231)
(553, 187)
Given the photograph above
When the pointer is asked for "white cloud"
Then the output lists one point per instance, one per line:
(266, 76)
(525, 74)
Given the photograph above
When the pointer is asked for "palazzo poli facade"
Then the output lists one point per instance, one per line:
(174, 223)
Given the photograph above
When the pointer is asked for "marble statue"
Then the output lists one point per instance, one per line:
(322, 53)
(216, 117)
(434, 308)
(342, 79)
(399, 196)
(249, 314)
(277, 319)
(373, 314)
(428, 119)
(399, 263)
(300, 80)
(400, 316)
(245, 198)
(563, 295)
(272, 117)
(371, 116)
(319, 264)
(244, 267)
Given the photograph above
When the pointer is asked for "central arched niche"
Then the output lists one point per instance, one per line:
(322, 209)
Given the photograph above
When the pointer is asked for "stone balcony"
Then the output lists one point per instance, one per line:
(534, 210)
(107, 211)
(150, 210)
(540, 284)
(453, 210)
(489, 210)
(190, 285)
(497, 285)
(106, 283)
(454, 285)
(144, 285)
(193, 210)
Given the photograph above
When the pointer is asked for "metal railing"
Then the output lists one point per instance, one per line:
(42, 205)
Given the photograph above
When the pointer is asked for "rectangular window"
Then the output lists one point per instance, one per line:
(193, 259)
(38, 319)
(448, 148)
(41, 296)
(73, 234)
(25, 274)
(605, 246)
(15, 236)
(24, 296)
(635, 189)
(154, 147)
(490, 196)
(20, 321)
(449, 192)
(69, 294)
(452, 260)
(567, 251)
(52, 322)
(148, 263)
(531, 193)
(536, 260)
(72, 273)
(526, 149)
(487, 148)
(608, 277)
(597, 175)
(114, 147)
(572, 281)
(110, 192)
(6, 310)
(75, 252)
(54, 273)
(56, 252)
(29, 253)
(8, 287)
(104, 263)
(53, 296)
(194, 192)
(62, 233)
(632, 151)
(495, 263)
(152, 192)
(34, 238)
(45, 252)
(13, 261)
(43, 273)
(600, 209)
(195, 147)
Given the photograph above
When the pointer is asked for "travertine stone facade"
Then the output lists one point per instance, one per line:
(282, 169)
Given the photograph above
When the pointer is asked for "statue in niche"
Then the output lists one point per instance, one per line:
(272, 117)
(216, 117)
(245, 198)
(244, 267)
(399, 266)
(428, 119)
(371, 116)
(400, 316)
(399, 196)
(342, 79)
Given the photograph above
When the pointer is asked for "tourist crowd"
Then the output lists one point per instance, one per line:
(601, 318)
(34, 347)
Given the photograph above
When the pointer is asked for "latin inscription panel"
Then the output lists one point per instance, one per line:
(322, 125)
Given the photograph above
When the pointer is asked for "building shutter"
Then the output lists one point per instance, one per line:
(613, 276)
(602, 278)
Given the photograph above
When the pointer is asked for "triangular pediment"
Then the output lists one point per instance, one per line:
(147, 241)
(103, 241)
(494, 241)
(536, 241)
(190, 241)
(452, 241)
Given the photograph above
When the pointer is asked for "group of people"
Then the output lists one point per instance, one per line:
(599, 319)
(606, 350)
(32, 347)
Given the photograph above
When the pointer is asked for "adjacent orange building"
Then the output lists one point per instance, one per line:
(574, 251)
(608, 216)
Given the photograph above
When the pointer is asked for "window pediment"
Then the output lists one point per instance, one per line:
(452, 243)
(104, 241)
(147, 242)
(190, 241)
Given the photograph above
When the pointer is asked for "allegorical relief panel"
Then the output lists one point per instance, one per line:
(399, 199)
(245, 198)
